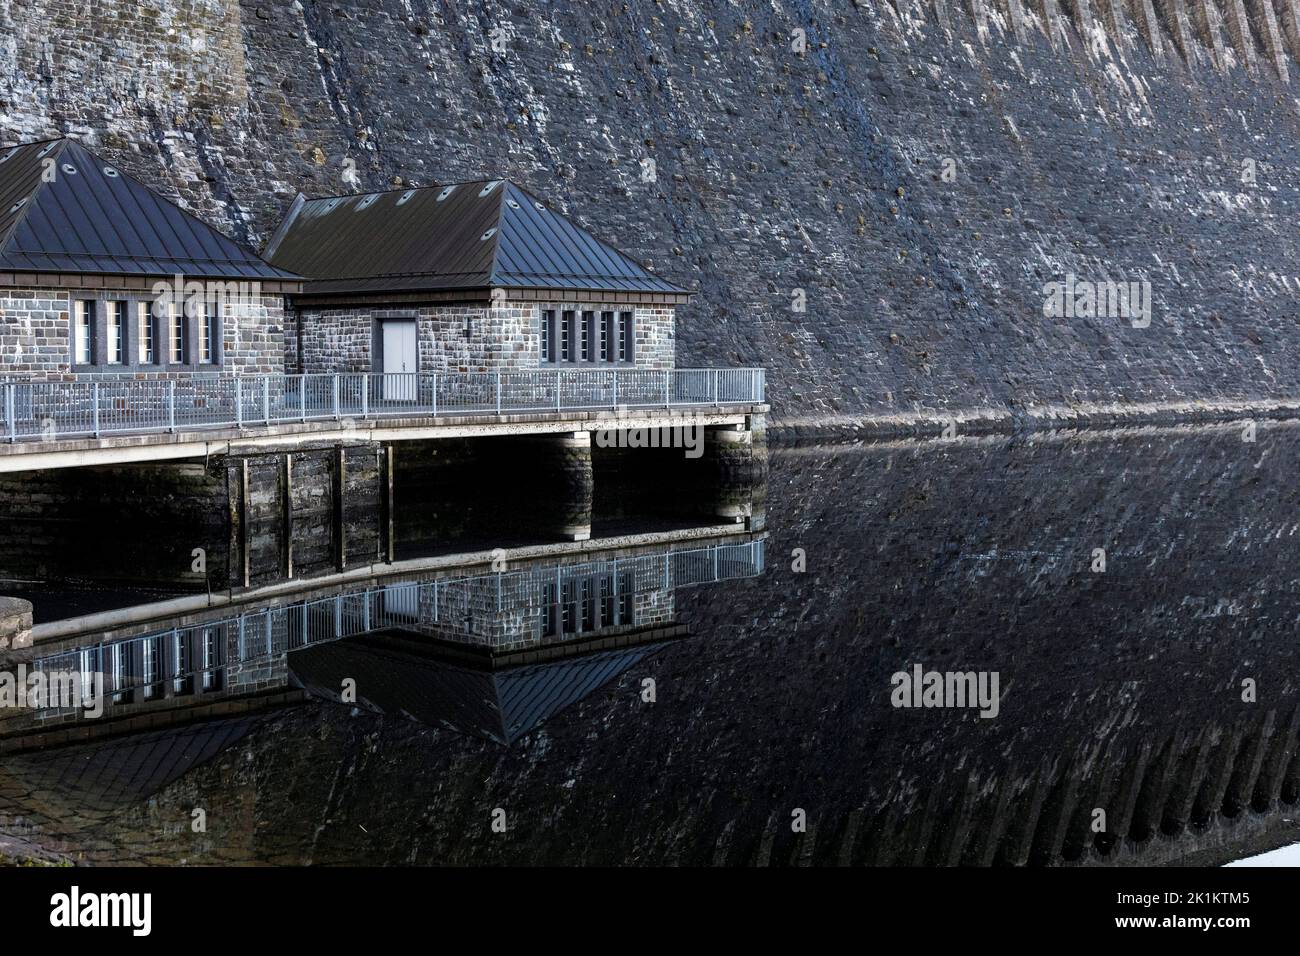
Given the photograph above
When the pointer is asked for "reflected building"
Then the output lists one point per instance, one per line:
(490, 654)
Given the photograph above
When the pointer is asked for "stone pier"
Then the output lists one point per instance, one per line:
(15, 623)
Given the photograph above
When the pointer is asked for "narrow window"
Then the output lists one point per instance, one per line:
(607, 598)
(569, 609)
(180, 663)
(209, 323)
(550, 617)
(566, 336)
(84, 332)
(588, 334)
(626, 598)
(588, 606)
(176, 334)
(625, 336)
(90, 666)
(121, 694)
(606, 335)
(548, 331)
(144, 320)
(116, 333)
(150, 667)
(210, 675)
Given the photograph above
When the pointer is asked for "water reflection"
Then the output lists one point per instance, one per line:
(492, 654)
(1123, 690)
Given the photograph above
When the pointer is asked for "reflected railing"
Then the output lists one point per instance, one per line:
(500, 612)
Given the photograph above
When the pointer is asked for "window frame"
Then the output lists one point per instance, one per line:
(116, 321)
(141, 327)
(586, 335)
(83, 358)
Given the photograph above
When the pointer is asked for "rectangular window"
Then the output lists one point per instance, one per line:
(625, 336)
(588, 606)
(175, 335)
(548, 332)
(588, 334)
(606, 334)
(151, 666)
(566, 336)
(144, 322)
(84, 332)
(116, 333)
(209, 324)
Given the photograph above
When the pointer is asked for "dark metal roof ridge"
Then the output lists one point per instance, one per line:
(277, 237)
(404, 189)
(30, 203)
(617, 251)
(82, 153)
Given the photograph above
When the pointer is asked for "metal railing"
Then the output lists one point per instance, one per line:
(223, 653)
(94, 406)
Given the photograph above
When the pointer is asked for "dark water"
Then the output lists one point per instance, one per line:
(771, 737)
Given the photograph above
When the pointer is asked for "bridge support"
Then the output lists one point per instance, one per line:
(15, 623)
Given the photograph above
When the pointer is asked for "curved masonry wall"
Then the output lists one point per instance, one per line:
(913, 173)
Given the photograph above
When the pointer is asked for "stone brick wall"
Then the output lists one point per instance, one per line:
(1070, 137)
(459, 338)
(34, 331)
(36, 335)
(15, 622)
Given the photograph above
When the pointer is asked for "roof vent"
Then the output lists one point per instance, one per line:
(332, 204)
(48, 146)
(446, 191)
(9, 155)
(538, 204)
(512, 204)
(488, 235)
(69, 169)
(405, 197)
(368, 201)
(489, 187)
(110, 172)
(18, 205)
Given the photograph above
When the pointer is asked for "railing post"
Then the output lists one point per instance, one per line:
(365, 395)
(668, 388)
(239, 402)
(94, 399)
(171, 404)
(11, 420)
(302, 396)
(498, 392)
(434, 386)
(336, 395)
(558, 373)
(266, 399)
(614, 403)
(715, 388)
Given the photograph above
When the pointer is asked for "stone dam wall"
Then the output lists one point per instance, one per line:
(914, 172)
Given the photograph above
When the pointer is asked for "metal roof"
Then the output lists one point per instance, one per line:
(475, 235)
(87, 216)
(497, 704)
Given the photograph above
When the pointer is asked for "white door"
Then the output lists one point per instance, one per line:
(401, 361)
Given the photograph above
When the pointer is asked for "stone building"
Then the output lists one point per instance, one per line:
(464, 277)
(99, 274)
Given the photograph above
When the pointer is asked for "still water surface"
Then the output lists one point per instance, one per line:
(729, 700)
